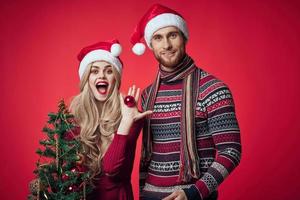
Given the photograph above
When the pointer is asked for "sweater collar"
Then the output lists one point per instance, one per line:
(183, 69)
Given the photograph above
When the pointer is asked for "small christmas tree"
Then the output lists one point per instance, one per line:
(59, 172)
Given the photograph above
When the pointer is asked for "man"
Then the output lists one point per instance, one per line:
(192, 140)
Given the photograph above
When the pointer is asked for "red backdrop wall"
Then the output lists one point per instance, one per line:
(251, 45)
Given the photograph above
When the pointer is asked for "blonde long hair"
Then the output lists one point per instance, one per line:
(94, 120)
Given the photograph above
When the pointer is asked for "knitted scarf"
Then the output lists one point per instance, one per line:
(189, 159)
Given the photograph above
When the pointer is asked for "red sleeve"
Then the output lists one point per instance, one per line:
(114, 158)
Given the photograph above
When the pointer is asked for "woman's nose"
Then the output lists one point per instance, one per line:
(101, 74)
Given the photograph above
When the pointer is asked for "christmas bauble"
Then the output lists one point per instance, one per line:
(129, 101)
(65, 177)
(34, 185)
(80, 159)
(69, 136)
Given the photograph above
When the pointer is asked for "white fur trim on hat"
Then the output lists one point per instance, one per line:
(98, 55)
(116, 49)
(164, 20)
(139, 49)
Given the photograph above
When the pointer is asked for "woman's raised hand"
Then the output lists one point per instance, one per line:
(129, 110)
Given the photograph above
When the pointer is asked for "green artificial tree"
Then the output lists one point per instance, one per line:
(59, 171)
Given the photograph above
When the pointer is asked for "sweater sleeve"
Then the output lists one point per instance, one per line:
(114, 157)
(223, 126)
(121, 148)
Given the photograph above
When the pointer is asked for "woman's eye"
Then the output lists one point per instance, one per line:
(109, 71)
(94, 71)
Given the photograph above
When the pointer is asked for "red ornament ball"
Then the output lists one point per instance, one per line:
(69, 136)
(72, 134)
(65, 177)
(129, 101)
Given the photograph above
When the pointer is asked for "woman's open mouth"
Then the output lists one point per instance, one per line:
(102, 87)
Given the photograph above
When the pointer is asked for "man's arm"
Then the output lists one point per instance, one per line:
(223, 126)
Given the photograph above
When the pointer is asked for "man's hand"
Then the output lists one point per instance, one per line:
(177, 195)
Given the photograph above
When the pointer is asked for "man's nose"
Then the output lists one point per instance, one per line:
(167, 44)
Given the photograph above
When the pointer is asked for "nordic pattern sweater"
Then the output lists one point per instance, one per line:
(217, 139)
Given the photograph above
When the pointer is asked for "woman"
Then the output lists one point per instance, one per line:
(108, 127)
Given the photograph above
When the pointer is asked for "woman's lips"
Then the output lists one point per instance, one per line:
(102, 87)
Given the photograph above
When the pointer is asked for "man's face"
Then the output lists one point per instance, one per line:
(168, 46)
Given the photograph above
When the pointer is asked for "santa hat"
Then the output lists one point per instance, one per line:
(156, 17)
(102, 51)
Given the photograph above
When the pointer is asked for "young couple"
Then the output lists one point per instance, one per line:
(191, 138)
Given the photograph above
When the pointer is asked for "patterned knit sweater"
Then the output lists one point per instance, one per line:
(217, 136)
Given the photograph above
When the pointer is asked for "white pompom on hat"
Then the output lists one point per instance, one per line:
(116, 49)
(157, 17)
(108, 51)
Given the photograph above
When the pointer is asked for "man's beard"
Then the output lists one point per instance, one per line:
(170, 63)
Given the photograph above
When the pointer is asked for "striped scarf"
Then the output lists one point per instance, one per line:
(189, 159)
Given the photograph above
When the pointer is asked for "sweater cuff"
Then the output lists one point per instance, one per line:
(192, 193)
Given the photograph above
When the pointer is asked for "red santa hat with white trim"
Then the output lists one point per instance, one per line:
(157, 17)
(108, 51)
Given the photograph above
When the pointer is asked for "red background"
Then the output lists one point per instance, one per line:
(253, 46)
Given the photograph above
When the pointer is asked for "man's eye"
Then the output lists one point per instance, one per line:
(173, 35)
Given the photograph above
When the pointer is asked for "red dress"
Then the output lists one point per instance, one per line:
(114, 181)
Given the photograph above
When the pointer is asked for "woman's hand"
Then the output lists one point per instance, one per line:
(130, 114)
